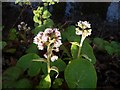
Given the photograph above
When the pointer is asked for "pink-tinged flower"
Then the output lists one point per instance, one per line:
(40, 46)
(48, 31)
(53, 58)
(45, 55)
(57, 43)
(56, 49)
(57, 33)
(44, 38)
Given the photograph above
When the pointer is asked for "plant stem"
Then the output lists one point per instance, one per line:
(81, 43)
(49, 52)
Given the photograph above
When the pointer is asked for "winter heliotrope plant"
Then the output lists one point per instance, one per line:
(50, 38)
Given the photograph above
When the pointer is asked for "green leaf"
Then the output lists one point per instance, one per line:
(57, 82)
(100, 43)
(2, 44)
(45, 82)
(38, 29)
(46, 14)
(74, 51)
(65, 50)
(109, 49)
(80, 73)
(48, 23)
(70, 34)
(32, 48)
(23, 83)
(60, 64)
(12, 34)
(25, 61)
(12, 73)
(10, 76)
(34, 68)
(88, 51)
(44, 68)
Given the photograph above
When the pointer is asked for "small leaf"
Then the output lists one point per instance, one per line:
(80, 73)
(46, 14)
(23, 83)
(45, 82)
(35, 19)
(109, 50)
(74, 51)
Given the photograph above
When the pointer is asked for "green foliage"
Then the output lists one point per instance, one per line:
(23, 83)
(88, 51)
(32, 49)
(22, 2)
(26, 62)
(80, 73)
(12, 34)
(48, 23)
(46, 14)
(70, 35)
(38, 29)
(110, 47)
(45, 82)
(2, 44)
(60, 64)
(74, 51)
(57, 82)
(10, 76)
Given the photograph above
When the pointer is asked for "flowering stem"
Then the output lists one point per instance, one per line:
(81, 43)
(49, 52)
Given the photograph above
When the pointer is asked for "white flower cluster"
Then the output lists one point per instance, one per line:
(52, 36)
(85, 28)
(23, 26)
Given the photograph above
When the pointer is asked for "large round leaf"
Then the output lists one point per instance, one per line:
(80, 73)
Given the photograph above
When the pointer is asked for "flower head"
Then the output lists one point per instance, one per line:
(84, 28)
(23, 27)
(49, 36)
